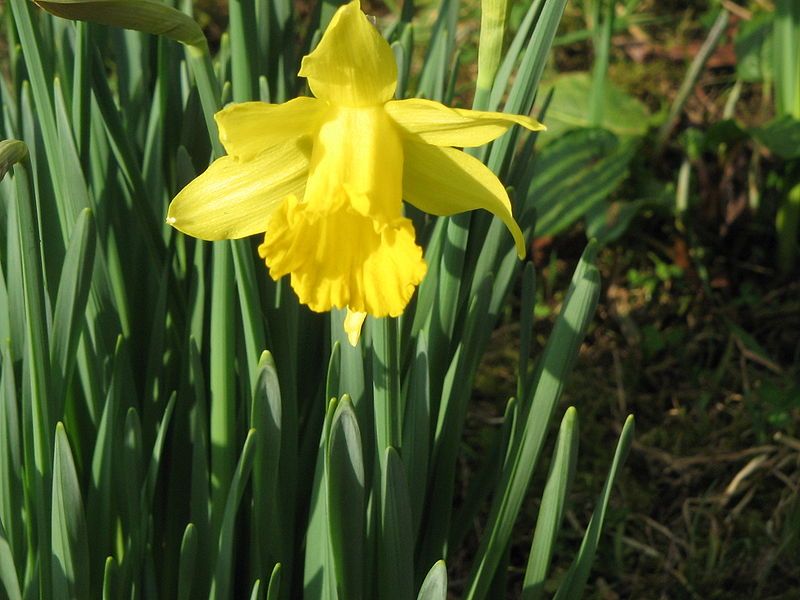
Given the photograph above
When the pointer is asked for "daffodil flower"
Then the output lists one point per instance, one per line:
(324, 178)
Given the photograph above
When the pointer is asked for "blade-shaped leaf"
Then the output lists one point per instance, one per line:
(552, 508)
(395, 559)
(70, 563)
(186, 566)
(221, 584)
(578, 574)
(149, 16)
(556, 363)
(434, 587)
(73, 292)
(8, 571)
(346, 500)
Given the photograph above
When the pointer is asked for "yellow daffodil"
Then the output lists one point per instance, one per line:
(324, 178)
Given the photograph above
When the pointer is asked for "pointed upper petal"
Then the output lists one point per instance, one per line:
(440, 125)
(234, 198)
(246, 128)
(352, 65)
(445, 181)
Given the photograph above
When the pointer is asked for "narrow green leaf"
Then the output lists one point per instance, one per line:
(149, 16)
(334, 371)
(41, 73)
(130, 480)
(386, 383)
(155, 457)
(555, 365)
(187, 562)
(551, 510)
(319, 580)
(523, 90)
(517, 45)
(70, 562)
(73, 293)
(8, 571)
(417, 433)
(602, 47)
(346, 500)
(100, 500)
(36, 399)
(434, 587)
(200, 481)
(449, 426)
(221, 584)
(244, 56)
(438, 59)
(11, 492)
(255, 593)
(578, 574)
(249, 305)
(110, 579)
(265, 418)
(273, 590)
(527, 305)
(693, 73)
(395, 558)
(79, 195)
(484, 479)
(82, 91)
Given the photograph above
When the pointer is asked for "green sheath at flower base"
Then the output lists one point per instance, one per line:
(325, 177)
(11, 152)
(149, 16)
(490, 48)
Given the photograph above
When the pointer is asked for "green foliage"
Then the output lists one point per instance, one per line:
(150, 445)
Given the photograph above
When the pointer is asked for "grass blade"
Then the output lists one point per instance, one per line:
(556, 363)
(434, 586)
(221, 585)
(395, 558)
(73, 293)
(552, 508)
(70, 564)
(346, 501)
(8, 571)
(575, 580)
(188, 557)
(265, 418)
(273, 590)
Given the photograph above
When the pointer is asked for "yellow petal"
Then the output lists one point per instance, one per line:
(352, 65)
(246, 128)
(440, 125)
(342, 258)
(353, 323)
(444, 181)
(233, 198)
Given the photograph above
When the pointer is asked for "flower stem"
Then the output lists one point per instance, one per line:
(386, 367)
